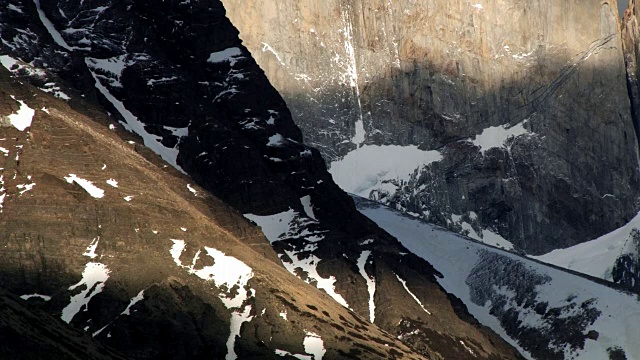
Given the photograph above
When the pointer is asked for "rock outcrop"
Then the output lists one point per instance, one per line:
(526, 103)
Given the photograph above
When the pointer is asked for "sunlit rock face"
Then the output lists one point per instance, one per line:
(526, 102)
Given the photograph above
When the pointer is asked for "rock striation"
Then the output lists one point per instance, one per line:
(526, 102)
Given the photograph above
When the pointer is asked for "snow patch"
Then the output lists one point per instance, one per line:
(273, 226)
(57, 37)
(276, 140)
(87, 185)
(617, 324)
(372, 167)
(237, 319)
(133, 301)
(404, 284)
(230, 55)
(497, 136)
(38, 296)
(308, 208)
(371, 283)
(596, 257)
(23, 188)
(94, 277)
(23, 118)
(308, 264)
(112, 182)
(314, 345)
(226, 272)
(91, 249)
(134, 125)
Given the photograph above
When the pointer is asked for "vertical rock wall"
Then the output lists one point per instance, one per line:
(439, 74)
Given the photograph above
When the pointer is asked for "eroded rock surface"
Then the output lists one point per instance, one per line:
(526, 102)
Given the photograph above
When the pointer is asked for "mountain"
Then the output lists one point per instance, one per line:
(133, 254)
(127, 188)
(546, 312)
(510, 122)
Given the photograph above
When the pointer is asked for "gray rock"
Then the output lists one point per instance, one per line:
(436, 74)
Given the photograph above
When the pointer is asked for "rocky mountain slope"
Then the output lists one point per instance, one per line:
(508, 121)
(97, 233)
(141, 243)
(28, 333)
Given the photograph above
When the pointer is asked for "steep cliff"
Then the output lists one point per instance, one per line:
(515, 114)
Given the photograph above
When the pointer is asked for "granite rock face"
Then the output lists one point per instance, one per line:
(527, 103)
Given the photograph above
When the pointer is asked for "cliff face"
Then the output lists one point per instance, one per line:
(525, 103)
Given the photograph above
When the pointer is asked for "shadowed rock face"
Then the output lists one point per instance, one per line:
(176, 74)
(438, 74)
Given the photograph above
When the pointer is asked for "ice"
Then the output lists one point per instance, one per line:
(230, 55)
(128, 198)
(23, 118)
(308, 208)
(284, 315)
(94, 277)
(112, 182)
(371, 283)
(497, 136)
(193, 191)
(87, 185)
(367, 167)
(37, 296)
